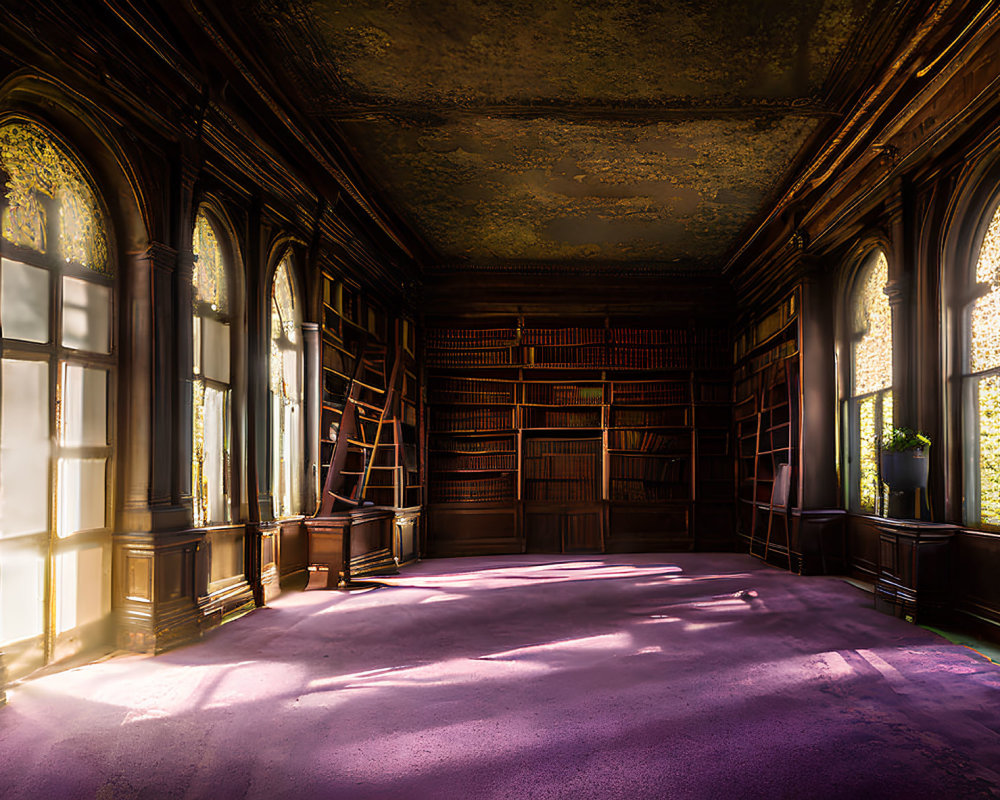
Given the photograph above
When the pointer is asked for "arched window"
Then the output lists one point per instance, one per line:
(57, 293)
(869, 406)
(981, 385)
(286, 393)
(211, 469)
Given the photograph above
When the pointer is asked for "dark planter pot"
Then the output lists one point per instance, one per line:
(906, 470)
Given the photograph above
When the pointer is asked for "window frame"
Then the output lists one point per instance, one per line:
(222, 230)
(286, 260)
(851, 403)
(964, 300)
(59, 357)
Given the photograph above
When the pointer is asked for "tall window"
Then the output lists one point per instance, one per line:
(981, 385)
(210, 459)
(869, 407)
(286, 393)
(58, 383)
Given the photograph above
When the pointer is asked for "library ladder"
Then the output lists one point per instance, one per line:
(352, 436)
(385, 421)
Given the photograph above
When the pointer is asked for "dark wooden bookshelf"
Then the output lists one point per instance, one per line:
(369, 437)
(596, 436)
(766, 430)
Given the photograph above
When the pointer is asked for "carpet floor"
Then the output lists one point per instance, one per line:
(640, 676)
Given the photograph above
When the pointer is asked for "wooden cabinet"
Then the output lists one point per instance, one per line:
(350, 544)
(554, 528)
(914, 560)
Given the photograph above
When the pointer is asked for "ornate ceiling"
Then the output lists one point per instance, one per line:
(566, 130)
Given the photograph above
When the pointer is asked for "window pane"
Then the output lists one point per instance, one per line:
(196, 345)
(984, 348)
(84, 406)
(872, 363)
(82, 588)
(209, 278)
(24, 456)
(215, 350)
(86, 320)
(81, 503)
(22, 593)
(24, 302)
(209, 468)
(867, 455)
(989, 450)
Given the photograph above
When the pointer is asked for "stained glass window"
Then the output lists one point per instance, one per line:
(57, 436)
(211, 413)
(209, 273)
(982, 386)
(43, 179)
(286, 392)
(870, 405)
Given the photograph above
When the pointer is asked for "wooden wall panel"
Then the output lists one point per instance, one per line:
(975, 571)
(473, 529)
(862, 547)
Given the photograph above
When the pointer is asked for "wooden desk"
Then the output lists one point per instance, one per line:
(913, 568)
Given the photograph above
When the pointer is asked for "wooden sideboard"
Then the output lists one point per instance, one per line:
(914, 561)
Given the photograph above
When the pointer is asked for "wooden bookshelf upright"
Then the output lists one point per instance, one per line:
(766, 421)
(371, 494)
(577, 436)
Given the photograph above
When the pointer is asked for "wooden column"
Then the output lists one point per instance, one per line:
(818, 521)
(154, 549)
(312, 397)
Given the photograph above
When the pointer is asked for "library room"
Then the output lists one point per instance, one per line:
(499, 399)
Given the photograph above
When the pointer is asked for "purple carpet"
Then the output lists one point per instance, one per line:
(659, 676)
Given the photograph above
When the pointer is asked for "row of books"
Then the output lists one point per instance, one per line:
(472, 419)
(589, 356)
(676, 416)
(452, 445)
(470, 390)
(482, 490)
(648, 358)
(637, 491)
(485, 419)
(655, 470)
(544, 448)
(463, 338)
(782, 314)
(557, 418)
(562, 491)
(470, 358)
(641, 392)
(579, 467)
(479, 461)
(567, 394)
(648, 336)
(648, 442)
(563, 336)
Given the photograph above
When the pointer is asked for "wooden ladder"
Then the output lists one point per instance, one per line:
(334, 493)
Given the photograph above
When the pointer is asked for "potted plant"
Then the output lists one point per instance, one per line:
(904, 459)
